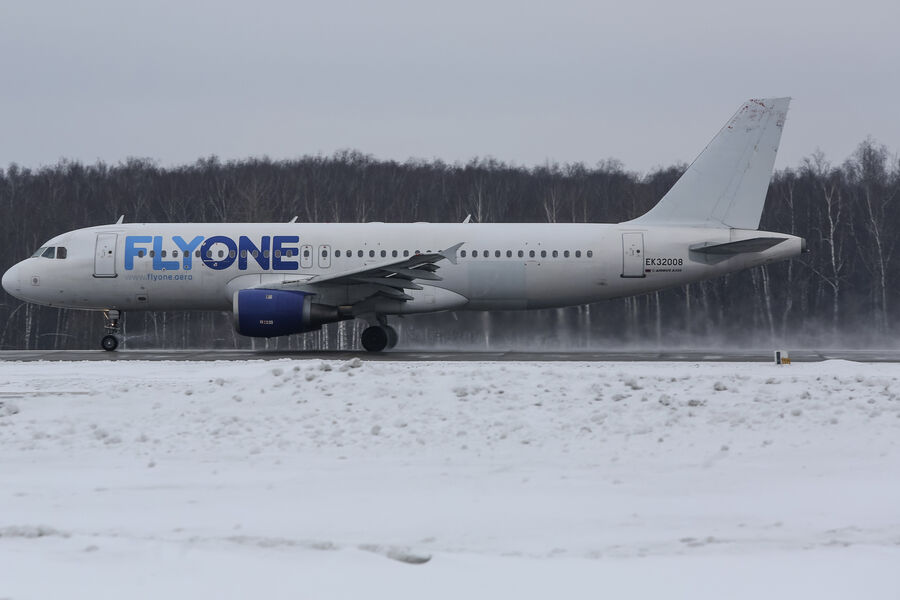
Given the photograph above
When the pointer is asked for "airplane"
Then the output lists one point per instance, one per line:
(288, 278)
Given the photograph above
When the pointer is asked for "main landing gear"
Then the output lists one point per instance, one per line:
(110, 342)
(379, 337)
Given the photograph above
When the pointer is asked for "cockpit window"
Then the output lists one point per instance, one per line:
(49, 252)
(39, 251)
(61, 252)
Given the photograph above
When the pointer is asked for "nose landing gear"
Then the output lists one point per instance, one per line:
(110, 342)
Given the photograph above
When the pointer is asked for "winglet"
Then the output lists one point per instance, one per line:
(450, 253)
(121, 218)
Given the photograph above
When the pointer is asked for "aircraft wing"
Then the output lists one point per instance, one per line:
(389, 278)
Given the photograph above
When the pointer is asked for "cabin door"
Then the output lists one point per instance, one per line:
(105, 255)
(632, 255)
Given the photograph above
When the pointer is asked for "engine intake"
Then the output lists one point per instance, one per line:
(271, 313)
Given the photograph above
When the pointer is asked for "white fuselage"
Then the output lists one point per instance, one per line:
(498, 266)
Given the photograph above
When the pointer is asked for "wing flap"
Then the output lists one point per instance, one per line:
(393, 282)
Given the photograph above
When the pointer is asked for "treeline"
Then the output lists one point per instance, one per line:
(840, 294)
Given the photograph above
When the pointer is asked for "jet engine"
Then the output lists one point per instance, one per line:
(270, 313)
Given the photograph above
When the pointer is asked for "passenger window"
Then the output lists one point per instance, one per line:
(590, 253)
(462, 253)
(383, 253)
(289, 253)
(406, 253)
(196, 253)
(243, 254)
(394, 253)
(324, 253)
(555, 254)
(255, 254)
(566, 254)
(371, 253)
(306, 253)
(521, 254)
(49, 252)
(543, 254)
(509, 254)
(474, 253)
(578, 254)
(265, 254)
(61, 252)
(337, 253)
(349, 253)
(278, 254)
(174, 253)
(231, 254)
(140, 254)
(497, 253)
(531, 253)
(359, 253)
(221, 254)
(163, 253)
(153, 253)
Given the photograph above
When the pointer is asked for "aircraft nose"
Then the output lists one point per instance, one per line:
(11, 282)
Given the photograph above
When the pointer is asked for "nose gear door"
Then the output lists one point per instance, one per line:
(105, 255)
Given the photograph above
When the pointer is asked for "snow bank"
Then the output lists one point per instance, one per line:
(338, 479)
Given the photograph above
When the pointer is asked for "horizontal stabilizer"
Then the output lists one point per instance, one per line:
(757, 244)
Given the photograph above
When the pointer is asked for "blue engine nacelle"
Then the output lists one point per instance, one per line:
(270, 313)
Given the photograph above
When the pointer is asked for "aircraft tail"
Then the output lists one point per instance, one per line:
(726, 185)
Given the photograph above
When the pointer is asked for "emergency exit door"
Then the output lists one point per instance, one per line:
(105, 255)
(324, 257)
(306, 257)
(632, 255)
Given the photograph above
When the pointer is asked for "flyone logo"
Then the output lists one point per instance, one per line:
(269, 254)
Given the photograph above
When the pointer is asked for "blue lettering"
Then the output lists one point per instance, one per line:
(131, 251)
(278, 250)
(247, 247)
(271, 253)
(187, 249)
(158, 263)
(214, 261)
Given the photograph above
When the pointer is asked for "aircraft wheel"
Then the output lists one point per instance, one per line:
(109, 343)
(375, 338)
(392, 336)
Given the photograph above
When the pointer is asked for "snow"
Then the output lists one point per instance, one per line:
(380, 479)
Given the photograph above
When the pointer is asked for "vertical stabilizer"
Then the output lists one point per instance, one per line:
(726, 185)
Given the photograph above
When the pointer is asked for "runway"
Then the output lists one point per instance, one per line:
(714, 355)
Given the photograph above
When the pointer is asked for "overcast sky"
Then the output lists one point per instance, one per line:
(648, 83)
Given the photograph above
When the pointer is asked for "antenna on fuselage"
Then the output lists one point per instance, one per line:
(468, 219)
(294, 220)
(121, 218)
